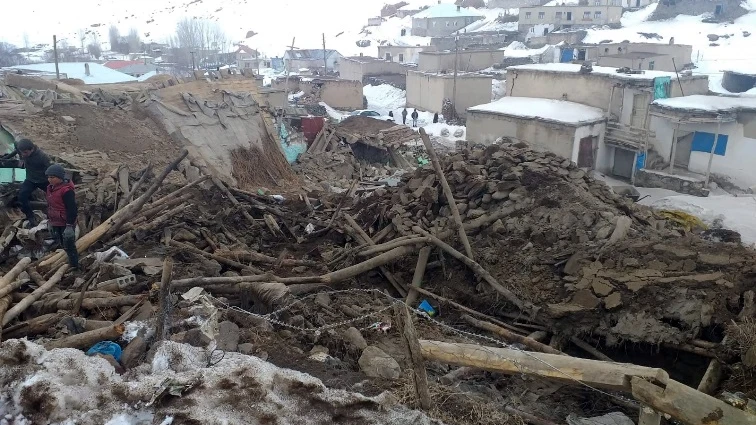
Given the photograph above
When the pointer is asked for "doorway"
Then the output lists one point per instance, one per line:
(569, 16)
(640, 105)
(623, 163)
(585, 152)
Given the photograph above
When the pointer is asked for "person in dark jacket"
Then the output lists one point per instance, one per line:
(35, 161)
(435, 118)
(404, 116)
(415, 115)
(62, 211)
(391, 114)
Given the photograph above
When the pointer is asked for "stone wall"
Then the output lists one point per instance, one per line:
(660, 179)
(668, 9)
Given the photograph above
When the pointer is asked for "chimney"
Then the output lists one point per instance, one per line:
(86, 69)
(361, 54)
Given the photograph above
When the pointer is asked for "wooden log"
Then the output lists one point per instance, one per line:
(417, 277)
(218, 258)
(33, 327)
(527, 417)
(256, 257)
(588, 348)
(469, 310)
(383, 233)
(414, 355)
(711, 378)
(85, 340)
(148, 226)
(148, 214)
(605, 375)
(400, 241)
(687, 405)
(539, 336)
(7, 280)
(28, 301)
(367, 265)
(4, 304)
(8, 289)
(342, 201)
(691, 349)
(92, 303)
(511, 336)
(480, 271)
(177, 193)
(130, 194)
(123, 184)
(164, 301)
(447, 193)
(366, 240)
(233, 200)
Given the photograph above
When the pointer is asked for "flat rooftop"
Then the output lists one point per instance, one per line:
(451, 74)
(558, 111)
(705, 103)
(606, 71)
(634, 55)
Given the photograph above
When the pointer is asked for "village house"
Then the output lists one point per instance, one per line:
(368, 69)
(403, 54)
(648, 56)
(739, 80)
(624, 97)
(541, 20)
(570, 130)
(443, 19)
(273, 98)
(134, 68)
(337, 93)
(712, 10)
(247, 57)
(375, 21)
(428, 90)
(312, 58)
(512, 4)
(467, 60)
(481, 40)
(706, 135)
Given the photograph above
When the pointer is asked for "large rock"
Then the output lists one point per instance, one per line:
(354, 338)
(375, 363)
(133, 354)
(228, 336)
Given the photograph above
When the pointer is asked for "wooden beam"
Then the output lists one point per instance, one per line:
(600, 374)
(687, 405)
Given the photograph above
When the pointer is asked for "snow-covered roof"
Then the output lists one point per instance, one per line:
(560, 111)
(573, 68)
(98, 74)
(704, 103)
(447, 10)
(146, 76)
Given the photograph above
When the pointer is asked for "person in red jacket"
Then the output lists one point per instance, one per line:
(62, 211)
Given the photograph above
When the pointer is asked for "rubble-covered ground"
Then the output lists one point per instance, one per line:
(261, 280)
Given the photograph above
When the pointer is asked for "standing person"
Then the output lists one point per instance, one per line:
(62, 211)
(391, 114)
(404, 116)
(414, 117)
(435, 118)
(35, 161)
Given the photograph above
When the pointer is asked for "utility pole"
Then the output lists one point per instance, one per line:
(257, 59)
(288, 71)
(192, 52)
(325, 58)
(55, 52)
(456, 65)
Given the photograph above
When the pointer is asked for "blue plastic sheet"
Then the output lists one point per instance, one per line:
(107, 348)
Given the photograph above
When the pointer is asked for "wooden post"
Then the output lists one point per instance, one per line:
(4, 304)
(55, 53)
(6, 282)
(34, 296)
(288, 71)
(511, 336)
(414, 354)
(85, 340)
(711, 378)
(447, 192)
(711, 154)
(687, 405)
(325, 58)
(600, 374)
(417, 278)
(164, 298)
(674, 149)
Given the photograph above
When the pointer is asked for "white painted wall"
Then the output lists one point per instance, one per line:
(738, 162)
(602, 157)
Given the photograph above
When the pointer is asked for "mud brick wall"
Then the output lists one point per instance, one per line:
(652, 178)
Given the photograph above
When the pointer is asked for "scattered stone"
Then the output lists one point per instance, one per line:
(746, 33)
(68, 120)
(354, 338)
(630, 262)
(246, 348)
(675, 251)
(459, 132)
(134, 352)
(323, 299)
(613, 301)
(113, 362)
(563, 309)
(601, 288)
(196, 338)
(657, 265)
(717, 259)
(572, 266)
(613, 418)
(184, 235)
(585, 298)
(620, 229)
(603, 232)
(712, 37)
(228, 336)
(375, 363)
(319, 349)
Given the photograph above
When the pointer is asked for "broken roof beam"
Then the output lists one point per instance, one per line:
(596, 373)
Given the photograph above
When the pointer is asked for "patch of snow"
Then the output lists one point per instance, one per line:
(146, 76)
(575, 68)
(518, 49)
(490, 23)
(498, 89)
(447, 10)
(708, 103)
(384, 98)
(295, 96)
(561, 111)
(98, 74)
(638, 16)
(333, 113)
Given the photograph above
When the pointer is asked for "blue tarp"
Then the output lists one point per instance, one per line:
(703, 142)
(567, 55)
(640, 160)
(661, 87)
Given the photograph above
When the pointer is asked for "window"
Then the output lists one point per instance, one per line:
(650, 64)
(388, 56)
(559, 15)
(597, 15)
(527, 15)
(541, 15)
(401, 58)
(597, 3)
(606, 50)
(246, 64)
(586, 16)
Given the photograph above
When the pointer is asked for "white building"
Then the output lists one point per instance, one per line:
(707, 134)
(568, 129)
(89, 72)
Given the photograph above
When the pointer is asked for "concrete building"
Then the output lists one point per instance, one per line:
(486, 40)
(642, 56)
(443, 19)
(707, 135)
(512, 4)
(541, 20)
(337, 93)
(625, 98)
(713, 10)
(312, 58)
(467, 60)
(365, 69)
(273, 98)
(570, 130)
(427, 91)
(247, 57)
(403, 54)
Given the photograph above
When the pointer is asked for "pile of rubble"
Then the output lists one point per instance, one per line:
(532, 251)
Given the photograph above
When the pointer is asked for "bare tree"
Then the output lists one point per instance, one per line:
(94, 47)
(82, 39)
(133, 40)
(9, 55)
(204, 37)
(26, 41)
(114, 36)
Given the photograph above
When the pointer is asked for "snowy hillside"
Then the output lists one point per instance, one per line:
(733, 49)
